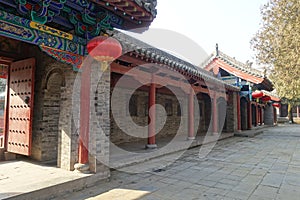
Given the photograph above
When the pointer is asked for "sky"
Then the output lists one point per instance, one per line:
(230, 23)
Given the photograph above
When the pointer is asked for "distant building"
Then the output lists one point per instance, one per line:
(255, 100)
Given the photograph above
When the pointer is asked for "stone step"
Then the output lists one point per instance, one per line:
(52, 190)
(9, 156)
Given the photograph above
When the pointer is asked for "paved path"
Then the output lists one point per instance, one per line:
(264, 167)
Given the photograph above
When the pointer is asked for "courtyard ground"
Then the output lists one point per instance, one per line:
(266, 166)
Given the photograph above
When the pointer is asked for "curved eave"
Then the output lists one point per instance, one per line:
(268, 85)
(136, 13)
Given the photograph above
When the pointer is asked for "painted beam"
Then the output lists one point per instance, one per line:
(63, 46)
(22, 29)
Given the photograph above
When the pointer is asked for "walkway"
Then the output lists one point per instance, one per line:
(266, 166)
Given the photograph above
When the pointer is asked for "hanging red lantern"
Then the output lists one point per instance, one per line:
(257, 94)
(266, 98)
(104, 49)
(276, 105)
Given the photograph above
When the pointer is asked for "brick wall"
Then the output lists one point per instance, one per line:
(54, 134)
(268, 114)
(231, 113)
(100, 120)
(171, 127)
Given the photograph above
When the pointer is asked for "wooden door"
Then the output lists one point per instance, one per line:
(20, 106)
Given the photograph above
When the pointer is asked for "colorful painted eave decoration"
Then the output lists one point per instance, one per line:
(63, 44)
(86, 18)
(25, 30)
(65, 57)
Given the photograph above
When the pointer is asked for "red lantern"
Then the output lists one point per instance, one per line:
(276, 105)
(257, 94)
(104, 49)
(266, 98)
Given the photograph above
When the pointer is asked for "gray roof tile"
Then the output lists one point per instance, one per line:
(164, 57)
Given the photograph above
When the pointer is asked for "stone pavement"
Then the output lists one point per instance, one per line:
(29, 179)
(263, 167)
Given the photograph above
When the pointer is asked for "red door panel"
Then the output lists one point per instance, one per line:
(20, 106)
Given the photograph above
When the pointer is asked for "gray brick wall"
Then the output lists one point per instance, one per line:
(100, 120)
(268, 114)
(171, 127)
(54, 135)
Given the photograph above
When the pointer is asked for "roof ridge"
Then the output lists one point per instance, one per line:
(240, 65)
(207, 60)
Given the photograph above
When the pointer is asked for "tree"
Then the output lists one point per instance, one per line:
(277, 46)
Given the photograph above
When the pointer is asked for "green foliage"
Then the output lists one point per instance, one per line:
(277, 46)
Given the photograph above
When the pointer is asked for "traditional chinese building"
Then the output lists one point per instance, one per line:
(58, 103)
(255, 101)
(42, 46)
(189, 94)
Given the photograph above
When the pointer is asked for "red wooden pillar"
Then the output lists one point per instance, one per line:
(261, 116)
(191, 120)
(215, 115)
(275, 115)
(151, 118)
(298, 116)
(257, 114)
(258, 119)
(249, 115)
(84, 115)
(238, 103)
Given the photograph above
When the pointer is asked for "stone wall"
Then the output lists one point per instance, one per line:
(56, 115)
(268, 114)
(54, 134)
(204, 112)
(231, 115)
(100, 119)
(171, 127)
(244, 113)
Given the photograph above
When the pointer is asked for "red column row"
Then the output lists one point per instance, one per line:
(238, 103)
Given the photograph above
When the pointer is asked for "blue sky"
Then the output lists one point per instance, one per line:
(230, 23)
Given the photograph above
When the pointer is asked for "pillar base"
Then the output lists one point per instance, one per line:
(82, 168)
(191, 138)
(151, 146)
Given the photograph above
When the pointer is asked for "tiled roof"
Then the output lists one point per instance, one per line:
(239, 69)
(234, 63)
(132, 44)
(130, 7)
(273, 95)
(149, 5)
